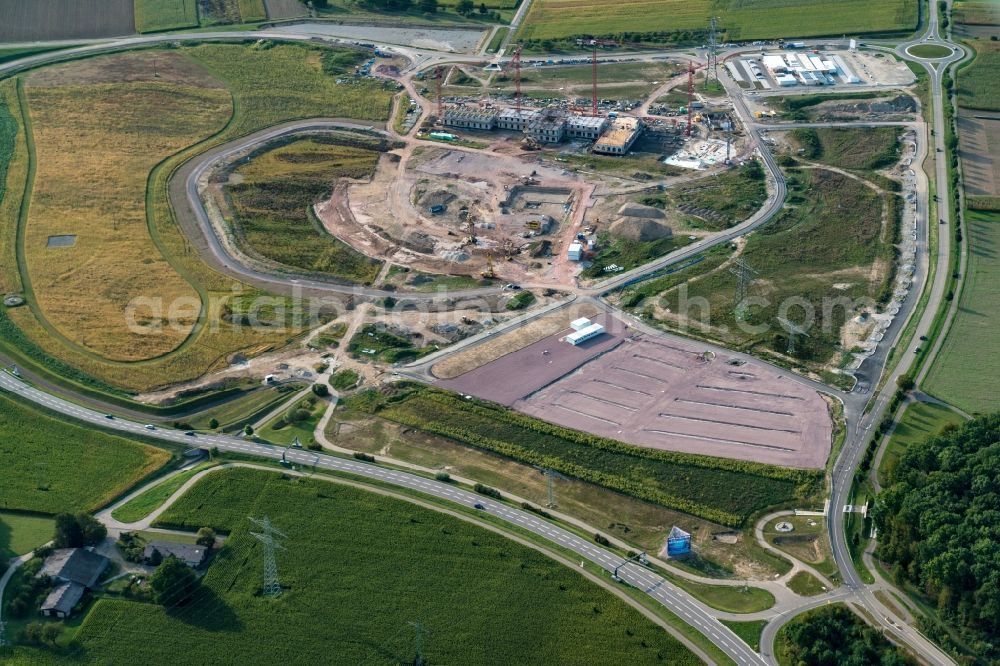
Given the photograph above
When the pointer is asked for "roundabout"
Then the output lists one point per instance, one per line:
(929, 51)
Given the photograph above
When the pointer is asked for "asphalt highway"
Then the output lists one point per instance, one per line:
(658, 589)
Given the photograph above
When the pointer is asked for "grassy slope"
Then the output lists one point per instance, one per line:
(965, 371)
(763, 19)
(269, 84)
(358, 568)
(50, 466)
(156, 15)
(273, 200)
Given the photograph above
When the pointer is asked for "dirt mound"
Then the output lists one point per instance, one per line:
(639, 210)
(640, 229)
(437, 198)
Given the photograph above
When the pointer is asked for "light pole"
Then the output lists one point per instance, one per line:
(641, 558)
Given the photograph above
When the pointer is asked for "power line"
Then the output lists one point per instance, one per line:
(272, 587)
(744, 276)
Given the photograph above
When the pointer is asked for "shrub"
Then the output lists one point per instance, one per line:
(443, 477)
(358, 455)
(488, 491)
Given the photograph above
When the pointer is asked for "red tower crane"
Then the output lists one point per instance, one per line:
(690, 96)
(593, 76)
(515, 62)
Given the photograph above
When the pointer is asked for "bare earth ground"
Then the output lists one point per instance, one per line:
(979, 135)
(660, 394)
(34, 20)
(522, 336)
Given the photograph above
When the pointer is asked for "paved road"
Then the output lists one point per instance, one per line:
(658, 589)
(846, 465)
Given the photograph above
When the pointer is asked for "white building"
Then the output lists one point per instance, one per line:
(584, 334)
(575, 252)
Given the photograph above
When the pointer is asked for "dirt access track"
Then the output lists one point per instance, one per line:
(660, 393)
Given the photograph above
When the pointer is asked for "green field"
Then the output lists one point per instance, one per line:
(298, 422)
(141, 506)
(686, 20)
(717, 489)
(919, 421)
(272, 197)
(238, 411)
(963, 372)
(50, 466)
(929, 51)
(156, 15)
(21, 533)
(748, 631)
(358, 568)
(805, 584)
(828, 246)
(976, 83)
(729, 197)
(373, 341)
(629, 253)
(728, 598)
(864, 149)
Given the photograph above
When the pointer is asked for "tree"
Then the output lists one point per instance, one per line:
(68, 532)
(482, 8)
(93, 531)
(206, 537)
(248, 430)
(428, 6)
(465, 7)
(173, 583)
(322, 390)
(51, 631)
(905, 382)
(213, 424)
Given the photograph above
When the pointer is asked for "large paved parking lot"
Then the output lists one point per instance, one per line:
(661, 393)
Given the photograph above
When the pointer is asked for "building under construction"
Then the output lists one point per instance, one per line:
(549, 125)
(618, 138)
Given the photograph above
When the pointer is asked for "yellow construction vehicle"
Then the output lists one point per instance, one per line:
(489, 273)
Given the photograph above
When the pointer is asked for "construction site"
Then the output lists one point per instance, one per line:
(519, 207)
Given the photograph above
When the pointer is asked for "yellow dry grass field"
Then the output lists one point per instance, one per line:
(518, 338)
(95, 145)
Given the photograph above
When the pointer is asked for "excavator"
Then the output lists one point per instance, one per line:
(489, 273)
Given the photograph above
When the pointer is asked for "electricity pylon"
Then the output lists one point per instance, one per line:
(744, 276)
(271, 588)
